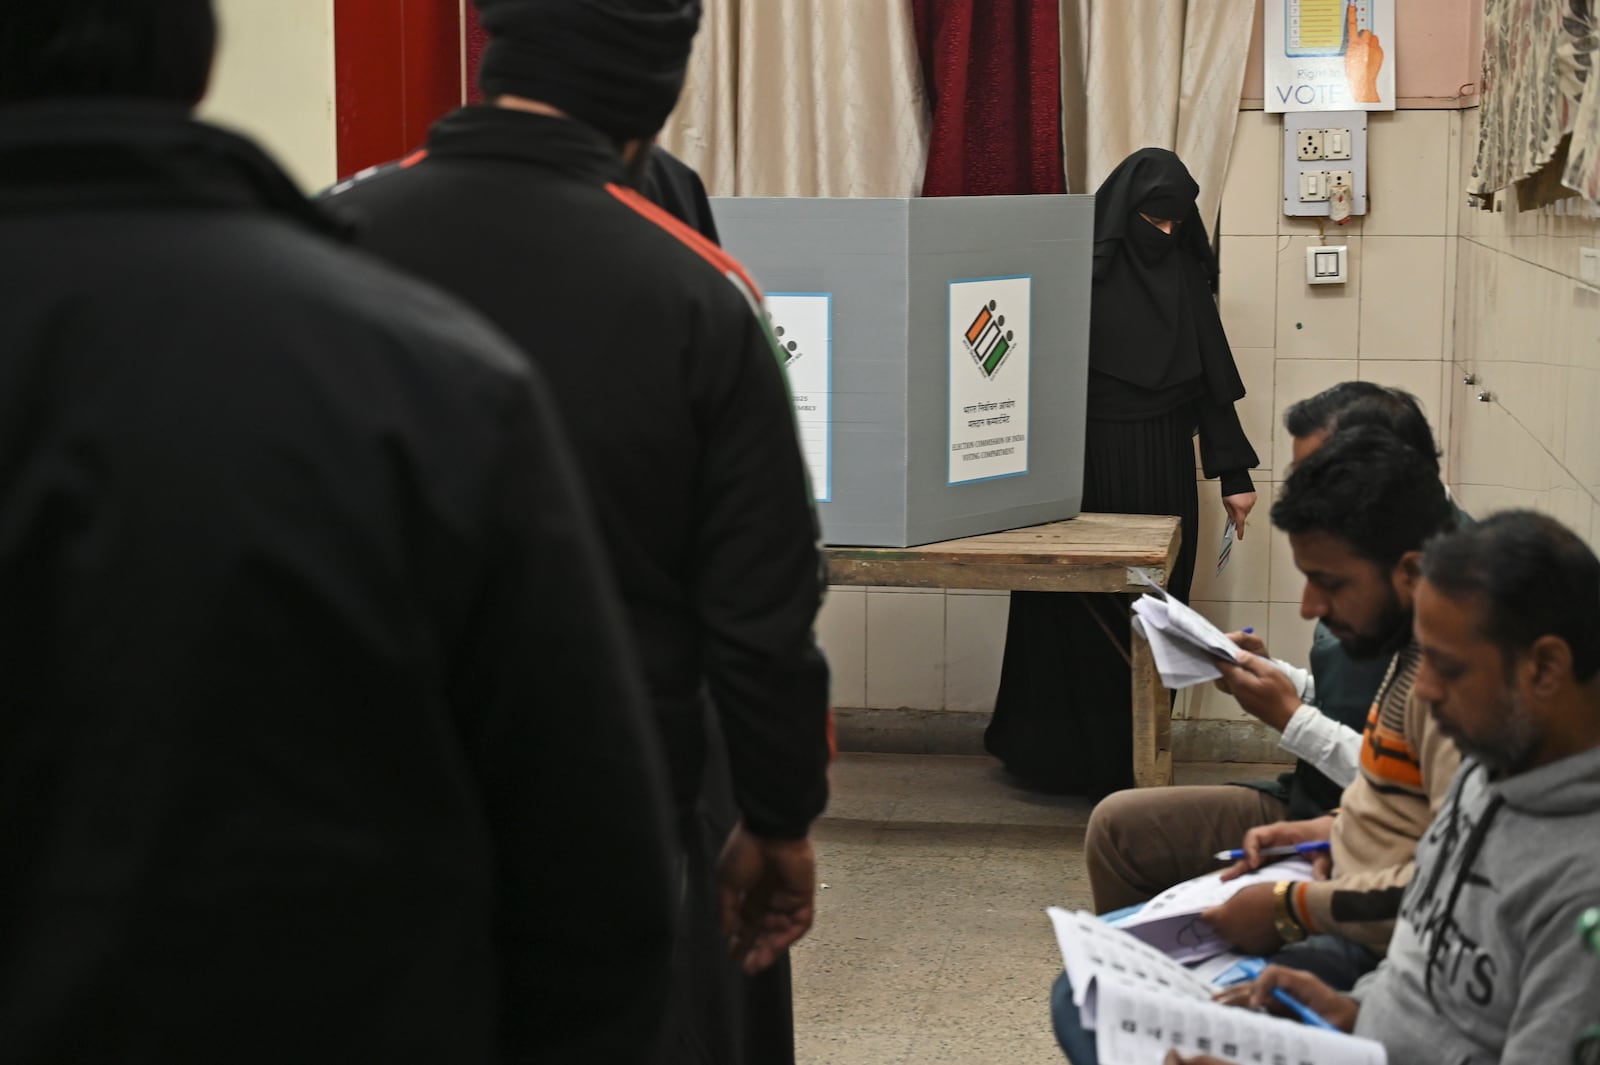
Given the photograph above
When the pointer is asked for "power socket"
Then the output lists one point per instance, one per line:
(1313, 186)
(1341, 179)
(1309, 144)
(1336, 144)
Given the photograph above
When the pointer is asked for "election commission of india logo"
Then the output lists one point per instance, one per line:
(988, 340)
(788, 346)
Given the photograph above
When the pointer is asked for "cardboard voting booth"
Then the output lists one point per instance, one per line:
(937, 350)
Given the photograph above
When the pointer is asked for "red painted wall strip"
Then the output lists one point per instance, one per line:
(476, 41)
(397, 69)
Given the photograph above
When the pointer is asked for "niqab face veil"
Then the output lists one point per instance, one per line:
(1154, 321)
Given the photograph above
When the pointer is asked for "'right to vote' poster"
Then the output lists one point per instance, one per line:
(1329, 55)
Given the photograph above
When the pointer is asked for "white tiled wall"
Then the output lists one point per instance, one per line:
(1390, 323)
(1529, 331)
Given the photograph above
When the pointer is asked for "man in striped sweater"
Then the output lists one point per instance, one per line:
(1357, 512)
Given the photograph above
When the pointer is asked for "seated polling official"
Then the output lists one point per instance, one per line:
(1322, 711)
(1486, 965)
(298, 762)
(1357, 512)
(1321, 718)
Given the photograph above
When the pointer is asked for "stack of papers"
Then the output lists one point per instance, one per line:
(1185, 645)
(1141, 1004)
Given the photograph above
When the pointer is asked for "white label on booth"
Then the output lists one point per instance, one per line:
(990, 348)
(802, 324)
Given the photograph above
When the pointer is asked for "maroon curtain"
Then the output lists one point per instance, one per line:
(476, 39)
(993, 75)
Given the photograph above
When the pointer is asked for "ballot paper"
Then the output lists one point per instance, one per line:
(1140, 1004)
(1092, 950)
(1171, 922)
(1139, 1027)
(1183, 643)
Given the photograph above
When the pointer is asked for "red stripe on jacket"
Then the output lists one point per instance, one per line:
(695, 241)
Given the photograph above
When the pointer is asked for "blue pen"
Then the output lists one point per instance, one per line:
(1286, 851)
(1251, 968)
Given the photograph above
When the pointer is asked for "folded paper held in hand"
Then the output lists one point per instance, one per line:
(1184, 644)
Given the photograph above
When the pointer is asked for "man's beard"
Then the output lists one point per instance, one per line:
(1512, 746)
(1389, 633)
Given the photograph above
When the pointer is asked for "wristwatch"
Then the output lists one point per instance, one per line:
(1290, 930)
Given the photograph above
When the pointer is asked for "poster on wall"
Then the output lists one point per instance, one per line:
(802, 327)
(990, 321)
(1329, 55)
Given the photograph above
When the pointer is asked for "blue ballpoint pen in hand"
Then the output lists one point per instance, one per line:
(1251, 968)
(1288, 850)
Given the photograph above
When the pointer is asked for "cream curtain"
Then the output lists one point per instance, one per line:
(1153, 73)
(701, 130)
(811, 98)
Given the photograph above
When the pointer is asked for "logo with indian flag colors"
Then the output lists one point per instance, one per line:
(988, 340)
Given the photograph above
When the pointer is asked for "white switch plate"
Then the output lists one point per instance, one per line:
(1589, 265)
(1336, 144)
(1311, 127)
(1327, 264)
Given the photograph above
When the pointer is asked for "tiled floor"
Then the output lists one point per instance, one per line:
(931, 944)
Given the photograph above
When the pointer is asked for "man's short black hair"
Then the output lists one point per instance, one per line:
(1533, 576)
(1352, 403)
(151, 49)
(1369, 488)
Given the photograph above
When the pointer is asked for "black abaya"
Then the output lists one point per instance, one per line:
(1057, 723)
(1160, 370)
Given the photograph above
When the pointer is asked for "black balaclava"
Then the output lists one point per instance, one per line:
(1153, 321)
(617, 65)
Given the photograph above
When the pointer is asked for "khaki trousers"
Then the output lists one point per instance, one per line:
(1140, 842)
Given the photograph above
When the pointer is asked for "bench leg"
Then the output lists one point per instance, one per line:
(1152, 721)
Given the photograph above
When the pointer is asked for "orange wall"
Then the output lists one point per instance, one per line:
(1437, 50)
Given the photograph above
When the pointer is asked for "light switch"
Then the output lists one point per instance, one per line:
(1336, 144)
(1313, 186)
(1589, 266)
(1327, 264)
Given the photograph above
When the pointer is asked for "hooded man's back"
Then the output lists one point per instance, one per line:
(307, 653)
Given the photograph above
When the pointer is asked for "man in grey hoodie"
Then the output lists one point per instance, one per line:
(1486, 964)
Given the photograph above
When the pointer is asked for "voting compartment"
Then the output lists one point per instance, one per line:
(937, 350)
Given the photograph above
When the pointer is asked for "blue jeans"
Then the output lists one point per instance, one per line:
(1076, 1041)
(1338, 962)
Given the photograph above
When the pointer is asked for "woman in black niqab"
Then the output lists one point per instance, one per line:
(1160, 370)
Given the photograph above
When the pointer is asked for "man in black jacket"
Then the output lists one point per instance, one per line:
(657, 351)
(322, 738)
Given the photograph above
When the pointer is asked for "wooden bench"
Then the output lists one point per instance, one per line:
(1090, 553)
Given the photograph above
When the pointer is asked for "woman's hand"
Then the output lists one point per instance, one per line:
(1238, 508)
